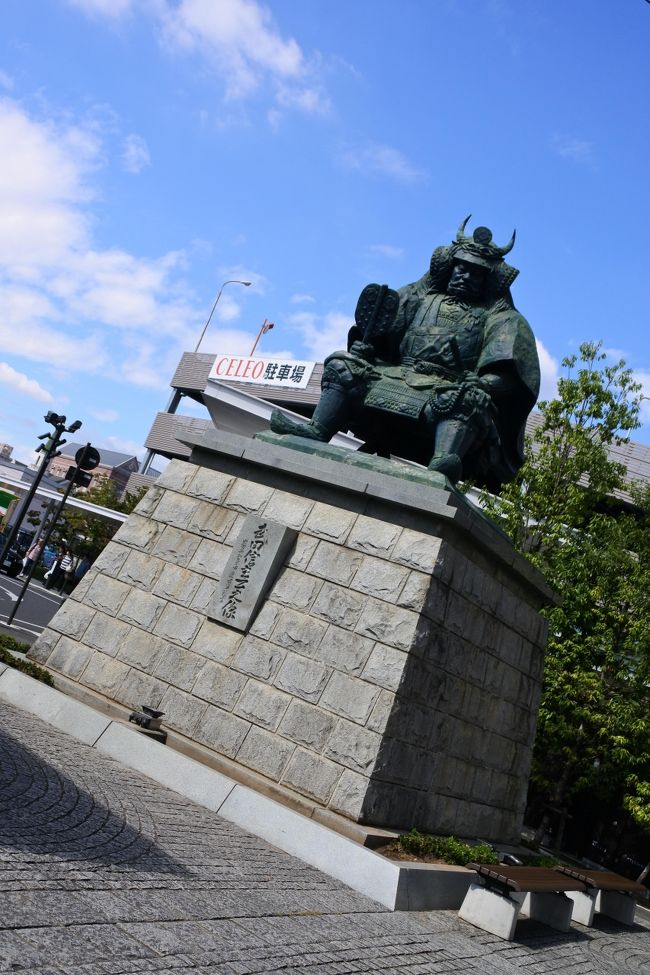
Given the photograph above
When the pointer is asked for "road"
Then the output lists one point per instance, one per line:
(35, 612)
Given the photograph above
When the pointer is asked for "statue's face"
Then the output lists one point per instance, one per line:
(466, 280)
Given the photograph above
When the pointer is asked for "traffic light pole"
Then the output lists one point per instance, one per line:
(50, 452)
(57, 513)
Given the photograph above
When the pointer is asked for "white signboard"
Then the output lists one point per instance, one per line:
(286, 373)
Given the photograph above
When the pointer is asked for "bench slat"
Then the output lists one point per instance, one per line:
(535, 880)
(603, 879)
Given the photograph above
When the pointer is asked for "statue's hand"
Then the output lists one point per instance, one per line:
(426, 368)
(364, 350)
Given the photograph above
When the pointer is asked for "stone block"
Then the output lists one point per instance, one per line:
(289, 509)
(210, 558)
(104, 674)
(381, 712)
(264, 623)
(174, 545)
(248, 497)
(177, 476)
(209, 485)
(142, 609)
(110, 561)
(43, 646)
(311, 775)
(303, 552)
(307, 725)
(138, 689)
(295, 589)
(262, 705)
(302, 677)
(183, 712)
(490, 911)
(106, 633)
(389, 624)
(344, 650)
(178, 625)
(380, 578)
(217, 642)
(338, 605)
(349, 794)
(373, 537)
(141, 570)
(204, 596)
(73, 619)
(417, 551)
(414, 594)
(350, 697)
(140, 649)
(353, 747)
(222, 731)
(176, 584)
(106, 594)
(175, 509)
(211, 522)
(329, 522)
(147, 503)
(298, 632)
(334, 563)
(265, 752)
(138, 532)
(69, 657)
(178, 667)
(258, 658)
(385, 667)
(219, 685)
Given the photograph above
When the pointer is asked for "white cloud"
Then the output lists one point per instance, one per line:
(6, 81)
(105, 416)
(382, 160)
(21, 383)
(569, 147)
(135, 154)
(322, 334)
(302, 299)
(240, 41)
(386, 250)
(109, 9)
(123, 446)
(61, 297)
(549, 370)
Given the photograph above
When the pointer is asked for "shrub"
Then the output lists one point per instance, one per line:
(446, 848)
(8, 646)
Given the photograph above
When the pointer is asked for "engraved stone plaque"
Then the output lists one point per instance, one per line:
(256, 559)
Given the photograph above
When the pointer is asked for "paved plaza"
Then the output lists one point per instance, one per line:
(104, 872)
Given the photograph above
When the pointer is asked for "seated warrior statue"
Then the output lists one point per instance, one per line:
(443, 372)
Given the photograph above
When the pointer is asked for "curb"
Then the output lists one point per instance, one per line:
(397, 886)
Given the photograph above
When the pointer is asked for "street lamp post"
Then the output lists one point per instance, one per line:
(176, 396)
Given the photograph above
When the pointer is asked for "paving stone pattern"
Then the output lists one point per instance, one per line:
(104, 872)
(388, 677)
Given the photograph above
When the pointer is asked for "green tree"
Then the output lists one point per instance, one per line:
(564, 513)
(86, 533)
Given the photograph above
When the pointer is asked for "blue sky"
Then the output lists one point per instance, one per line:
(152, 149)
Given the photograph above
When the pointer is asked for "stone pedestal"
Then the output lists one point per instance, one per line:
(391, 672)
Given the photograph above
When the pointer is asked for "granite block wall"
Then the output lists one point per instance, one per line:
(388, 677)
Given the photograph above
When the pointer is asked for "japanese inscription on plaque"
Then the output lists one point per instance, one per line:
(256, 559)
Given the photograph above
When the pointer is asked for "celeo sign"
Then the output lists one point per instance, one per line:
(288, 373)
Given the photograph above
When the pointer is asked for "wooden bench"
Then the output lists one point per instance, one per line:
(605, 892)
(502, 893)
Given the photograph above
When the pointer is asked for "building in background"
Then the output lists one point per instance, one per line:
(114, 466)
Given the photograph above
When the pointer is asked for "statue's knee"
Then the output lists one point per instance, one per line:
(338, 374)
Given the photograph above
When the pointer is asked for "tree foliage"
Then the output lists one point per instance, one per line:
(86, 533)
(562, 512)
